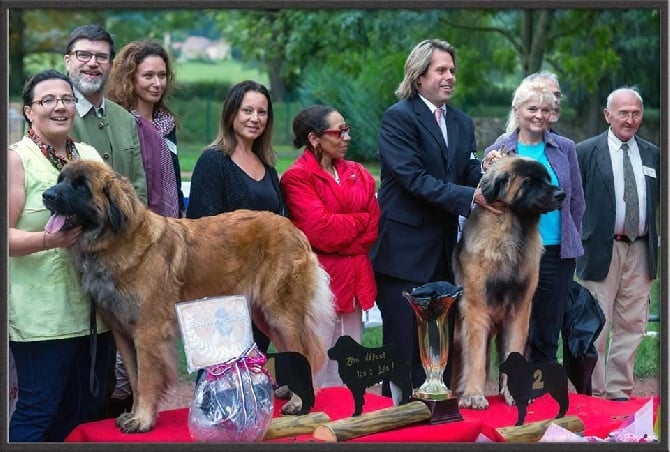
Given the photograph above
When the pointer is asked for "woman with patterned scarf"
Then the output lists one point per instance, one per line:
(139, 81)
(49, 316)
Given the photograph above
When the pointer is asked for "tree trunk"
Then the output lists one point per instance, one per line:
(534, 26)
(277, 85)
(526, 32)
(289, 426)
(539, 39)
(594, 115)
(16, 52)
(532, 432)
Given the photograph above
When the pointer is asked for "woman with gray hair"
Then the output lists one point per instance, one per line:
(527, 134)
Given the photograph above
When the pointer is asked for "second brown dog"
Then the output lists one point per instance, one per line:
(497, 264)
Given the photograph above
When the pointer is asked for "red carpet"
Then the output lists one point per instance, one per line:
(599, 416)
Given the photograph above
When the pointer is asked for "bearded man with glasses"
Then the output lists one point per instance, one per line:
(100, 122)
(112, 130)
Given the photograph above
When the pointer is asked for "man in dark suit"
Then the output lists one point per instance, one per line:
(429, 171)
(619, 262)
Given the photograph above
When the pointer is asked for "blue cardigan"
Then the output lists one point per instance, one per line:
(562, 155)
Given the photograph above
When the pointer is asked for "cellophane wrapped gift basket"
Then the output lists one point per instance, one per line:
(234, 397)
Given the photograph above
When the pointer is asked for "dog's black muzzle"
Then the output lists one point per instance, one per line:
(50, 198)
(559, 197)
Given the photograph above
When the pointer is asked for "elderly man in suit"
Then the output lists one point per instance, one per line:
(619, 236)
(429, 171)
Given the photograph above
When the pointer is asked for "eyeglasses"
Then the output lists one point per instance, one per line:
(52, 101)
(85, 56)
(629, 114)
(342, 133)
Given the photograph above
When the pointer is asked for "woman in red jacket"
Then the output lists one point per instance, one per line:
(332, 200)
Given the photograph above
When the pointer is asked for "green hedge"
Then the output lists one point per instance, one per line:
(215, 90)
(198, 120)
(198, 108)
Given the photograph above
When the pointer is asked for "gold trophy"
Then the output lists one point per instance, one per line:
(431, 303)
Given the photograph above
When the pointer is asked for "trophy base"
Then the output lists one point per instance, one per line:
(442, 411)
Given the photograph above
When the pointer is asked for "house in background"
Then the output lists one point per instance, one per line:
(201, 48)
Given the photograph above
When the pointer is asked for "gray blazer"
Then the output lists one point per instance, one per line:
(598, 225)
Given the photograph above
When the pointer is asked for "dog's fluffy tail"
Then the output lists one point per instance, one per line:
(320, 318)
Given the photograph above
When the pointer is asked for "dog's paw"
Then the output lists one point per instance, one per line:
(122, 418)
(130, 423)
(293, 406)
(283, 393)
(475, 401)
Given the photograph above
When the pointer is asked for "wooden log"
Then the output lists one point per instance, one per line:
(286, 426)
(533, 431)
(373, 422)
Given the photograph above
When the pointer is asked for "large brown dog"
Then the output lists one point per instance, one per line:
(136, 265)
(497, 264)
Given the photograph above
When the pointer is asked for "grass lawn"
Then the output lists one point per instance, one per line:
(228, 70)
(648, 357)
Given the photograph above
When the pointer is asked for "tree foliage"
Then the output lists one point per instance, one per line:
(336, 56)
(590, 50)
(586, 48)
(289, 42)
(46, 32)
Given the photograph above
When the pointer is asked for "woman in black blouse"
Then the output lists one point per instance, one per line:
(236, 171)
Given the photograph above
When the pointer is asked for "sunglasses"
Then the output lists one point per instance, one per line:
(342, 133)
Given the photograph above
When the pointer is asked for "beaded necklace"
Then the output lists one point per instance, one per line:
(50, 153)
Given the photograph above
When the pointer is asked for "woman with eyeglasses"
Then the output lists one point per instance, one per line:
(527, 134)
(332, 200)
(48, 313)
(237, 170)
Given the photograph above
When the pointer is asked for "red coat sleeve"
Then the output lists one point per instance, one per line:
(327, 231)
(364, 241)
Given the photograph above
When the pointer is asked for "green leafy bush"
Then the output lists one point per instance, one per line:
(215, 90)
(353, 97)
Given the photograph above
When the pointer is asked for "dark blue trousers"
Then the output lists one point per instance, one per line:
(549, 304)
(54, 391)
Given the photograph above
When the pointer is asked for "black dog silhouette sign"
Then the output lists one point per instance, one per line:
(527, 382)
(361, 367)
